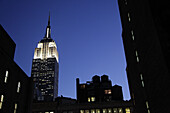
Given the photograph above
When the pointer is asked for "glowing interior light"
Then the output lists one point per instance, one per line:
(93, 111)
(147, 105)
(127, 110)
(6, 76)
(97, 110)
(136, 53)
(104, 110)
(141, 77)
(88, 99)
(137, 58)
(142, 84)
(133, 38)
(1, 101)
(15, 110)
(92, 99)
(109, 110)
(18, 88)
(129, 17)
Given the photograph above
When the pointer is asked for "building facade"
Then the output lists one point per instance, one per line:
(98, 90)
(45, 68)
(145, 34)
(96, 96)
(15, 86)
(67, 105)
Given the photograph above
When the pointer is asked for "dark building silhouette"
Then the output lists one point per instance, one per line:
(68, 105)
(145, 33)
(98, 90)
(15, 86)
(105, 99)
(45, 67)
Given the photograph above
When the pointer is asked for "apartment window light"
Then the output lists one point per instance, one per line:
(136, 53)
(137, 59)
(88, 99)
(6, 77)
(1, 101)
(148, 111)
(129, 17)
(133, 38)
(141, 77)
(18, 88)
(92, 99)
(86, 111)
(104, 110)
(115, 110)
(97, 110)
(15, 108)
(81, 111)
(127, 110)
(120, 110)
(92, 110)
(147, 105)
(108, 91)
(109, 110)
(142, 84)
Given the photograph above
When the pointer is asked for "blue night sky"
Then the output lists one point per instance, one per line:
(87, 33)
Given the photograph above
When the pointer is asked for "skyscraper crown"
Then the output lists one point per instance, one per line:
(46, 47)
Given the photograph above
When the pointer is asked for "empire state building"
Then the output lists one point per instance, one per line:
(45, 67)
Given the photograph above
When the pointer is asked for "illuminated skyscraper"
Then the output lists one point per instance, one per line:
(45, 68)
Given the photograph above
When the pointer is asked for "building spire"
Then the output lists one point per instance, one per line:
(49, 19)
(48, 29)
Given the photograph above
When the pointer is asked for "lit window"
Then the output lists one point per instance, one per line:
(97, 110)
(127, 110)
(120, 110)
(148, 111)
(141, 77)
(137, 59)
(18, 88)
(81, 111)
(6, 77)
(136, 53)
(109, 110)
(92, 99)
(133, 38)
(86, 111)
(104, 110)
(1, 101)
(15, 108)
(147, 106)
(108, 91)
(115, 110)
(83, 86)
(93, 111)
(142, 84)
(88, 99)
(129, 17)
